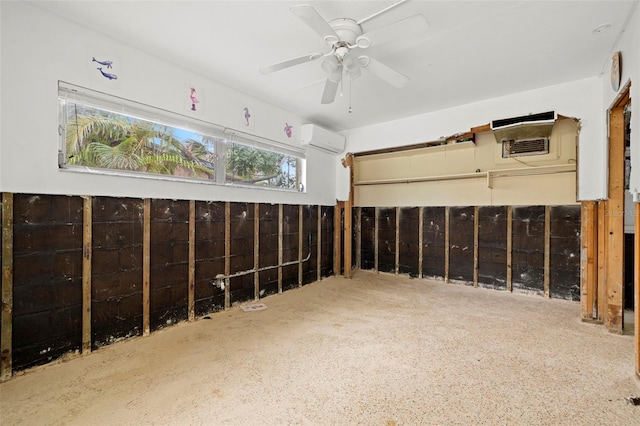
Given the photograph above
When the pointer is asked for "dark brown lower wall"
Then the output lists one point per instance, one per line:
(491, 230)
(47, 264)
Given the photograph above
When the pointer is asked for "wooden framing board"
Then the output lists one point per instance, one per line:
(476, 244)
(227, 254)
(337, 230)
(146, 266)
(348, 232)
(636, 285)
(256, 250)
(602, 264)
(509, 248)
(420, 239)
(447, 249)
(300, 231)
(375, 238)
(358, 237)
(319, 245)
(547, 250)
(6, 350)
(397, 260)
(280, 244)
(588, 270)
(87, 249)
(614, 213)
(192, 260)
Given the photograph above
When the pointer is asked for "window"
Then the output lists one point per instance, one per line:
(108, 134)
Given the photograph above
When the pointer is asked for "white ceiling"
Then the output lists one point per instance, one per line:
(471, 50)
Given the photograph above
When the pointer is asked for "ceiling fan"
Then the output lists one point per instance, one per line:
(347, 41)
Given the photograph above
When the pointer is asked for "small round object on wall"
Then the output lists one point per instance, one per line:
(616, 71)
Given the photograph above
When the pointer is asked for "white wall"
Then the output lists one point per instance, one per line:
(580, 99)
(38, 49)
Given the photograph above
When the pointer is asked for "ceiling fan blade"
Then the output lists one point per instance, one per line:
(312, 18)
(403, 28)
(290, 62)
(330, 90)
(387, 73)
(380, 12)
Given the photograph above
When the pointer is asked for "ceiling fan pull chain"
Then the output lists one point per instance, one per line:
(350, 83)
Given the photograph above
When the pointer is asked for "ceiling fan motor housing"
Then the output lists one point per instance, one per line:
(347, 30)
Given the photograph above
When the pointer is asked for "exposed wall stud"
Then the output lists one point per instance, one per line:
(375, 239)
(300, 231)
(636, 285)
(6, 350)
(547, 249)
(588, 270)
(337, 231)
(256, 250)
(146, 266)
(602, 262)
(348, 235)
(476, 244)
(420, 239)
(86, 273)
(192, 259)
(280, 244)
(397, 240)
(319, 246)
(447, 249)
(509, 248)
(358, 237)
(227, 254)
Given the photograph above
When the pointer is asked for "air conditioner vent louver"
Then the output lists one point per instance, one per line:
(522, 147)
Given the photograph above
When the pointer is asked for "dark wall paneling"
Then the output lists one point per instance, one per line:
(290, 245)
(492, 247)
(327, 213)
(409, 240)
(368, 237)
(564, 267)
(310, 244)
(387, 239)
(209, 256)
(242, 247)
(268, 255)
(461, 229)
(116, 269)
(47, 278)
(433, 242)
(527, 262)
(169, 262)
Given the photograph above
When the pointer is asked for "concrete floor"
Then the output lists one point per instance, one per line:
(375, 350)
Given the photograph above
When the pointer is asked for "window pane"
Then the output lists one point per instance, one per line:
(255, 166)
(109, 140)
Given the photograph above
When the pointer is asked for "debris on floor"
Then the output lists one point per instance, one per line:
(634, 400)
(254, 307)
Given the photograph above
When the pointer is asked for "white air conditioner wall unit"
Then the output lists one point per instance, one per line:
(324, 139)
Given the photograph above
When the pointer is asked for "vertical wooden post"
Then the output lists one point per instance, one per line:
(256, 250)
(447, 249)
(86, 273)
(348, 235)
(397, 259)
(146, 266)
(300, 231)
(358, 237)
(227, 254)
(6, 350)
(615, 222)
(337, 240)
(420, 240)
(375, 238)
(192, 260)
(476, 244)
(509, 248)
(636, 285)
(588, 270)
(280, 244)
(547, 250)
(319, 247)
(602, 262)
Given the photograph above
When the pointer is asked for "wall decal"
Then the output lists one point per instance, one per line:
(288, 129)
(247, 116)
(104, 67)
(194, 100)
(107, 75)
(108, 64)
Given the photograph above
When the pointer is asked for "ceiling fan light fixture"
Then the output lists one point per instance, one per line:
(330, 64)
(363, 42)
(350, 63)
(363, 60)
(331, 39)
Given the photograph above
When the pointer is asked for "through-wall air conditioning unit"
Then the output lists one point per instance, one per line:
(324, 139)
(525, 128)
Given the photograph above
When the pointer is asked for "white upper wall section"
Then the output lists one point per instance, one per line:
(38, 49)
(580, 99)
